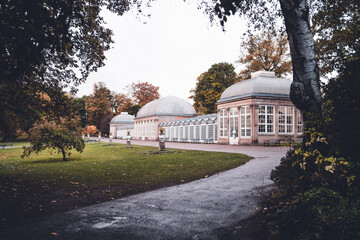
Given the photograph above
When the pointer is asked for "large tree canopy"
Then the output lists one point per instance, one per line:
(97, 105)
(266, 51)
(210, 85)
(42, 42)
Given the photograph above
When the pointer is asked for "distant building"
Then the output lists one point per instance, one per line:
(120, 124)
(248, 113)
(158, 111)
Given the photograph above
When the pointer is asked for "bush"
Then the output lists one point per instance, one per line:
(320, 213)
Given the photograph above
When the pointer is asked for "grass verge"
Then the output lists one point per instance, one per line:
(42, 185)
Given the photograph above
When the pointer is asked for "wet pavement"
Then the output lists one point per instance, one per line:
(195, 210)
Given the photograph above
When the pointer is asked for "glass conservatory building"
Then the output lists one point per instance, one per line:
(196, 129)
(249, 112)
(154, 113)
(256, 110)
(120, 124)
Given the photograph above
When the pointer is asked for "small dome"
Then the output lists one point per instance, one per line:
(123, 117)
(167, 106)
(261, 84)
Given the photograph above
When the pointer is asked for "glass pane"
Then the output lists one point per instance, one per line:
(248, 120)
(282, 119)
(261, 128)
(289, 119)
(261, 119)
(281, 128)
(270, 119)
(242, 132)
(269, 128)
(289, 128)
(269, 109)
(248, 132)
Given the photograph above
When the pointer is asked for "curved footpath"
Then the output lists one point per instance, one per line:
(197, 210)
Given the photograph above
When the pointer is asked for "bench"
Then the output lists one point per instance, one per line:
(195, 140)
(209, 140)
(275, 142)
(295, 141)
(90, 141)
(5, 145)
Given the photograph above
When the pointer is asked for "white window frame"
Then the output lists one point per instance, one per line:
(192, 132)
(245, 126)
(288, 113)
(223, 123)
(266, 118)
(234, 120)
(299, 122)
(202, 131)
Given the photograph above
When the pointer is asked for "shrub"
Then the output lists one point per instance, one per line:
(320, 213)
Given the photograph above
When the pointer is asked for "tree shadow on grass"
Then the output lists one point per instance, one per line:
(56, 160)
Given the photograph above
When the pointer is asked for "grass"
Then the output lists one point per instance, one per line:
(43, 184)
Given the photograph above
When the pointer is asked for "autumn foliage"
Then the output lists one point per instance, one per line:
(144, 92)
(267, 52)
(98, 104)
(62, 136)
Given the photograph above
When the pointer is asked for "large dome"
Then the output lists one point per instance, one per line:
(167, 106)
(261, 84)
(124, 117)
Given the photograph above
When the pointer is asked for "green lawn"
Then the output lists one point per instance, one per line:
(44, 184)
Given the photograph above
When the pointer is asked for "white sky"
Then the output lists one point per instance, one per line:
(171, 50)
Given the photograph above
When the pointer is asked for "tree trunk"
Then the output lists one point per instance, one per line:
(63, 153)
(305, 88)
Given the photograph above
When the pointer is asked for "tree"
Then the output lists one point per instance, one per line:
(336, 25)
(210, 85)
(105, 124)
(44, 41)
(98, 104)
(143, 93)
(265, 51)
(63, 136)
(78, 109)
(121, 102)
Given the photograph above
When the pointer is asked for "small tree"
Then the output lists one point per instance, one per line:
(63, 136)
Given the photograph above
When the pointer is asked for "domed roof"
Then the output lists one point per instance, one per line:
(167, 106)
(261, 84)
(123, 117)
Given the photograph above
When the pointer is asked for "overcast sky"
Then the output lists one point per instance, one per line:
(175, 45)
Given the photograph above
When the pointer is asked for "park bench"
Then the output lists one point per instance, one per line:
(269, 142)
(209, 140)
(295, 141)
(90, 141)
(3, 145)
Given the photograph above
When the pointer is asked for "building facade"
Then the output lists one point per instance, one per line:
(249, 112)
(152, 114)
(196, 129)
(258, 109)
(120, 124)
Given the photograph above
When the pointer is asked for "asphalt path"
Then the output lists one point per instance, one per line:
(196, 210)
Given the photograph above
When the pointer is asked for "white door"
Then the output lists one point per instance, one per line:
(233, 126)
